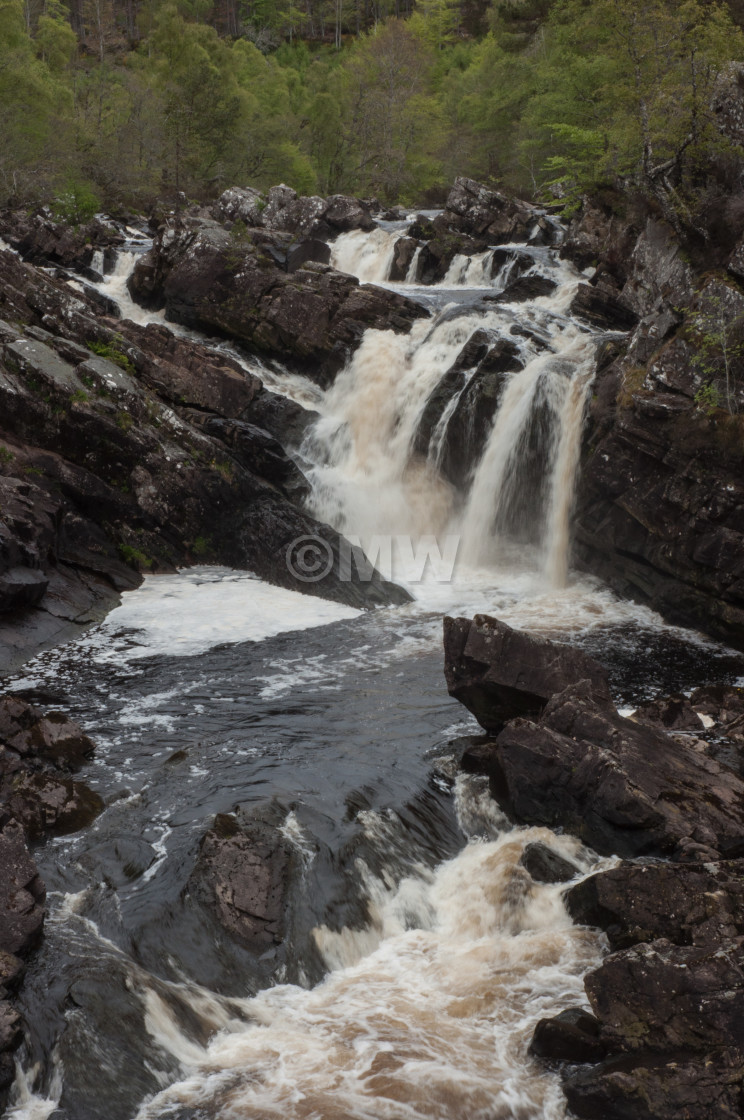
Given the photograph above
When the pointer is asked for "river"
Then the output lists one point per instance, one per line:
(419, 952)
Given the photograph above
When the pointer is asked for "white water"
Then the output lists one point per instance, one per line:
(427, 1012)
(367, 480)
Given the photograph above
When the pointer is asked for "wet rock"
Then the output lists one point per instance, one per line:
(242, 876)
(22, 894)
(499, 673)
(546, 866)
(622, 788)
(659, 1088)
(53, 737)
(477, 375)
(602, 309)
(572, 1036)
(405, 251)
(46, 803)
(285, 211)
(675, 713)
(527, 287)
(689, 904)
(41, 240)
(480, 212)
(663, 997)
(259, 452)
(21, 588)
(11, 972)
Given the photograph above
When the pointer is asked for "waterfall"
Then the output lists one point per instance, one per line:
(368, 477)
(368, 256)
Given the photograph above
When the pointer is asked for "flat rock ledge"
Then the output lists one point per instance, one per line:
(663, 1037)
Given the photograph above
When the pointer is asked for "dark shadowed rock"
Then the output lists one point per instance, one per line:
(675, 713)
(404, 252)
(602, 309)
(481, 212)
(22, 894)
(663, 997)
(242, 876)
(705, 1087)
(689, 904)
(53, 737)
(546, 866)
(527, 287)
(499, 673)
(572, 1036)
(621, 787)
(47, 803)
(21, 588)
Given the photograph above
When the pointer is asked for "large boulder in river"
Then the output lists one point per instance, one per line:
(22, 894)
(283, 210)
(242, 876)
(499, 673)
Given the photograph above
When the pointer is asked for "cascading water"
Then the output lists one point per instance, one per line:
(420, 950)
(369, 478)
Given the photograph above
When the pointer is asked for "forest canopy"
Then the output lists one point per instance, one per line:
(117, 102)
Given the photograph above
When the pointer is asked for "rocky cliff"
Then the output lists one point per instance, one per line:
(660, 511)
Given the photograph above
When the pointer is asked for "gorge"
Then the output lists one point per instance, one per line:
(297, 895)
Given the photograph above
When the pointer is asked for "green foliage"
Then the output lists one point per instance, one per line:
(135, 557)
(202, 546)
(718, 337)
(106, 350)
(6, 455)
(76, 202)
(391, 99)
(707, 398)
(125, 421)
(79, 396)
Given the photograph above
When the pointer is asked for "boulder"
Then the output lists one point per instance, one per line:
(621, 787)
(477, 378)
(21, 588)
(404, 252)
(602, 309)
(242, 876)
(675, 713)
(546, 866)
(659, 1087)
(240, 204)
(53, 737)
(499, 673)
(315, 316)
(663, 997)
(527, 288)
(480, 212)
(46, 803)
(688, 904)
(572, 1036)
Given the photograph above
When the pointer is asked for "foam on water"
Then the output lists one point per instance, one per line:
(198, 608)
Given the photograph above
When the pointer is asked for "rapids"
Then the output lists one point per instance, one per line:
(419, 953)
